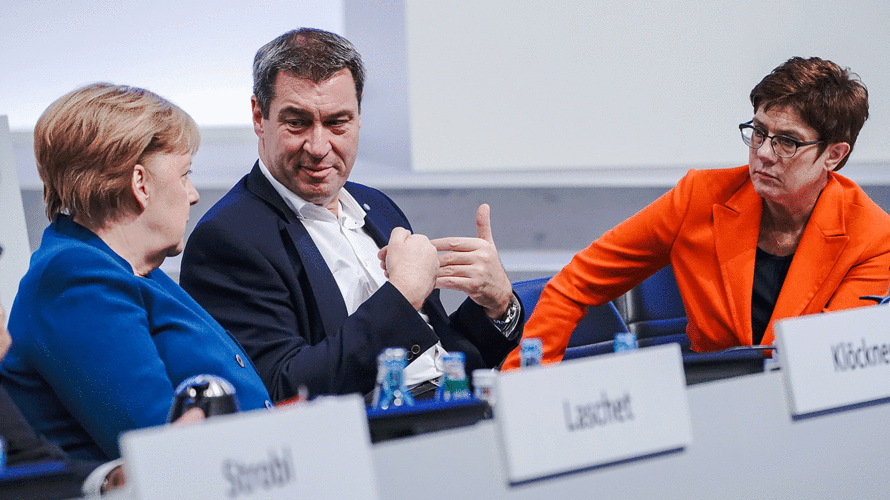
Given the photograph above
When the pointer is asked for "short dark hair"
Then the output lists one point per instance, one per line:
(830, 99)
(307, 53)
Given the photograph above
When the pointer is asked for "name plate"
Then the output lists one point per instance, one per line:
(320, 449)
(835, 360)
(591, 412)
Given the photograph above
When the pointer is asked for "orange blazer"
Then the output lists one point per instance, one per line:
(707, 228)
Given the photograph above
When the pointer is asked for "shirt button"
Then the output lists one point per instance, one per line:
(239, 360)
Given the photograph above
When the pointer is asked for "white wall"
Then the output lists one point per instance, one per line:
(197, 53)
(570, 93)
(501, 84)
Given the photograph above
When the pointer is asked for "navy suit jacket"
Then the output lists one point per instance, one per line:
(251, 263)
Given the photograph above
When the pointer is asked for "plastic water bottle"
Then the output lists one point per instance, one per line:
(381, 376)
(625, 341)
(392, 392)
(483, 385)
(454, 384)
(531, 352)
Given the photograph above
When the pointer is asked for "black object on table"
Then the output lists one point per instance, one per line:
(424, 417)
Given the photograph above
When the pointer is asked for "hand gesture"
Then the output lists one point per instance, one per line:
(472, 266)
(411, 265)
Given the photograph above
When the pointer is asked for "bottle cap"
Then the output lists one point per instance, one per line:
(213, 394)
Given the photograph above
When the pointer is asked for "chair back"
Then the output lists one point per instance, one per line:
(599, 325)
(13, 231)
(654, 308)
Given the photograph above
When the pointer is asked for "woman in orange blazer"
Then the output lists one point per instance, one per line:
(783, 236)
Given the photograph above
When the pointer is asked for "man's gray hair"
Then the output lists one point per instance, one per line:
(307, 53)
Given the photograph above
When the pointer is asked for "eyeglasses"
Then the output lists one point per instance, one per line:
(783, 146)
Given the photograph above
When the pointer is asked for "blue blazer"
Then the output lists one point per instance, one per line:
(251, 263)
(97, 350)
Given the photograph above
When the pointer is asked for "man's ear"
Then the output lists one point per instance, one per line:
(139, 186)
(257, 115)
(835, 153)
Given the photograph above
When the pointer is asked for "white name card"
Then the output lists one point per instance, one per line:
(585, 413)
(834, 360)
(317, 450)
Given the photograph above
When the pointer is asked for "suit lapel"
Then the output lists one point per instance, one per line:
(327, 294)
(379, 227)
(820, 247)
(375, 224)
(736, 228)
(257, 184)
(372, 229)
(331, 306)
(321, 280)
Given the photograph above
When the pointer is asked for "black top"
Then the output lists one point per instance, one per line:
(23, 445)
(26, 447)
(769, 275)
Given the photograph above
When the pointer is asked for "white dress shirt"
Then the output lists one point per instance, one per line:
(351, 255)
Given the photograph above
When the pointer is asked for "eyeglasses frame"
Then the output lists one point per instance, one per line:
(797, 144)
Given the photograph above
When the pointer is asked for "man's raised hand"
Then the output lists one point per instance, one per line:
(472, 266)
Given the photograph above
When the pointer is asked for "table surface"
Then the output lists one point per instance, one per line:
(745, 445)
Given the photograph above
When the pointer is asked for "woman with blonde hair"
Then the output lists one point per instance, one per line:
(101, 336)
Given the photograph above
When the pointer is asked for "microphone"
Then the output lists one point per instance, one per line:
(213, 394)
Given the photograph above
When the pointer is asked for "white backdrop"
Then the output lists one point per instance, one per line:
(501, 84)
(573, 92)
(197, 53)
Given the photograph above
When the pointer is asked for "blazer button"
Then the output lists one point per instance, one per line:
(239, 360)
(413, 352)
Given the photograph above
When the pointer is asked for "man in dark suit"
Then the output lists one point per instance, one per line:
(315, 275)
